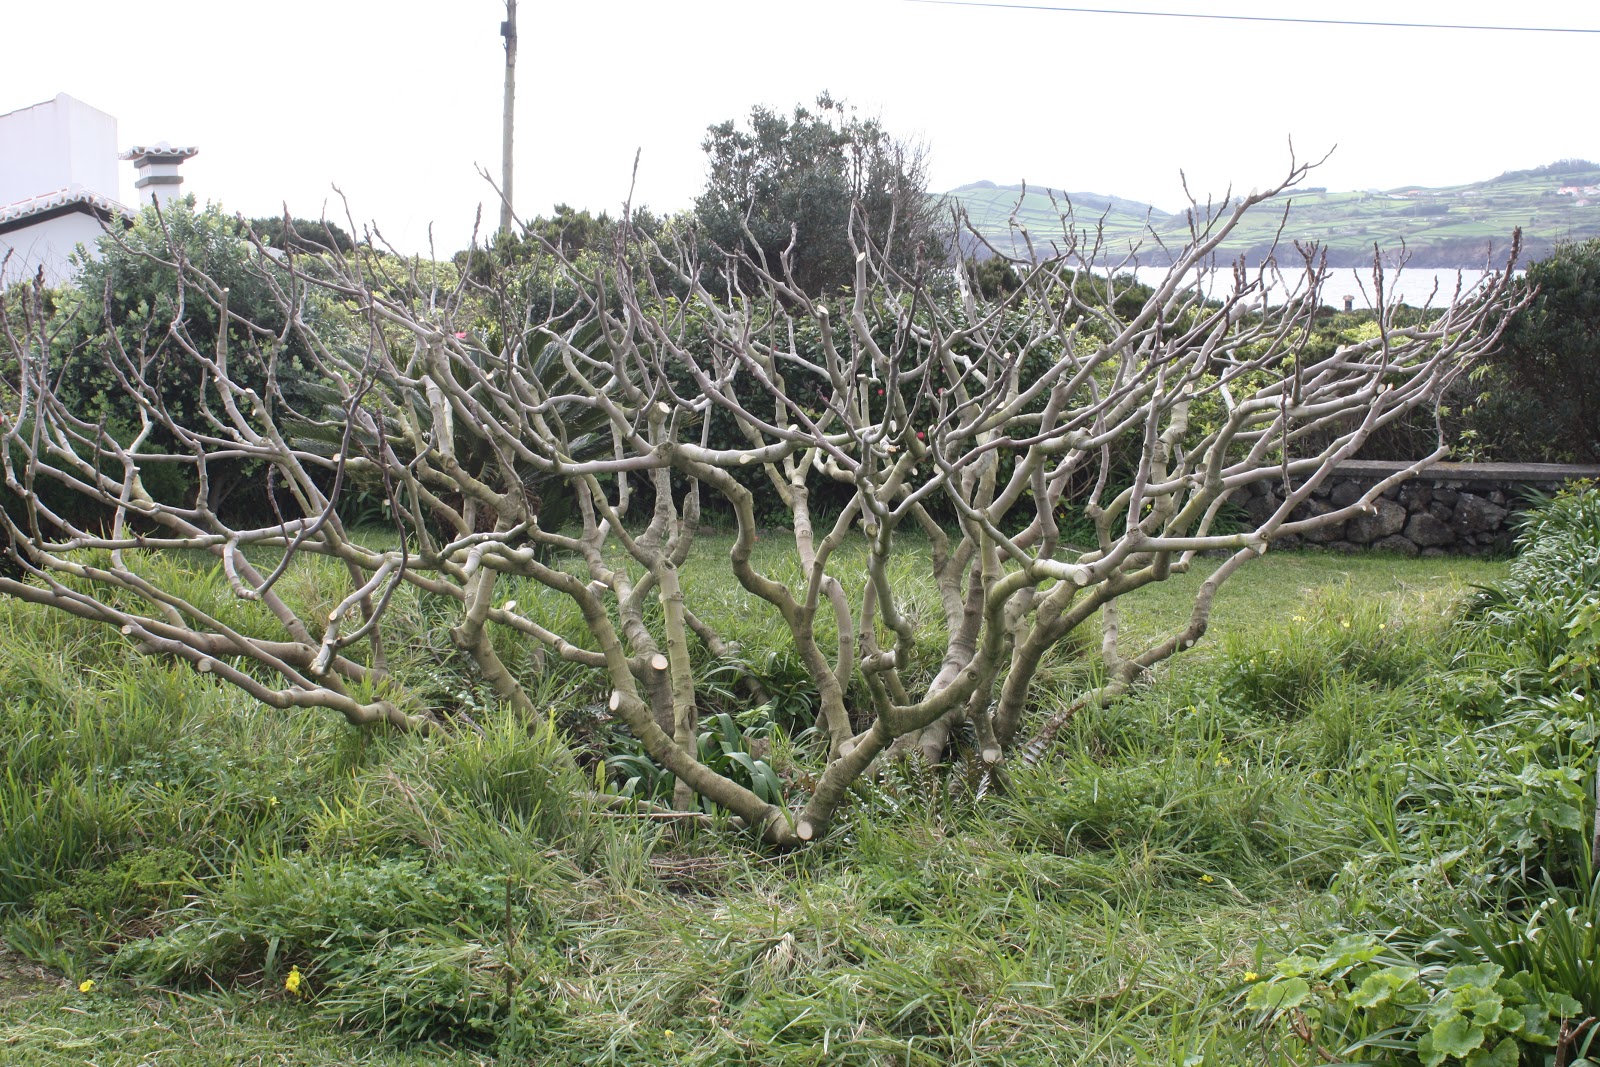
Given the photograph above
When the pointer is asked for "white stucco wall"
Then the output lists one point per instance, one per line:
(56, 145)
(46, 244)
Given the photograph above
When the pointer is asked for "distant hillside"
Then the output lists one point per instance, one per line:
(1450, 227)
(991, 208)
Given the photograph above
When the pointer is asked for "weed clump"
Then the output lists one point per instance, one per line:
(391, 946)
(1335, 641)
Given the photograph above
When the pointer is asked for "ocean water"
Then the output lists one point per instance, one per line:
(1413, 285)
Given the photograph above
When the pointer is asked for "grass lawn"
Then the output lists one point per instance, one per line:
(1104, 908)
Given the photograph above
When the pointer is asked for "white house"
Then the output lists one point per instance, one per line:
(59, 184)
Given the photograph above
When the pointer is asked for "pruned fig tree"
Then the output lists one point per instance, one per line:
(671, 380)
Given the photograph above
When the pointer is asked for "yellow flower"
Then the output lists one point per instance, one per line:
(1251, 976)
(86, 985)
(1207, 879)
(292, 983)
(667, 1034)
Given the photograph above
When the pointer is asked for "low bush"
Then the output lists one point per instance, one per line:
(1362, 999)
(1333, 640)
(396, 947)
(724, 746)
(1557, 943)
(1537, 631)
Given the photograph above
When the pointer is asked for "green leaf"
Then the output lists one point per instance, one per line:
(1565, 816)
(744, 760)
(1482, 975)
(1456, 1036)
(1505, 1054)
(1294, 966)
(1377, 988)
(1278, 996)
(1562, 1006)
(1347, 952)
(1483, 1006)
(1537, 1027)
(767, 785)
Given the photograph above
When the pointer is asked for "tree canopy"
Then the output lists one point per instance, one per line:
(782, 179)
(1551, 356)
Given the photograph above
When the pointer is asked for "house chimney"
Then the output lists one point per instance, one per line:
(157, 167)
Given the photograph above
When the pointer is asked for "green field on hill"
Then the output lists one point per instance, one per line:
(1454, 226)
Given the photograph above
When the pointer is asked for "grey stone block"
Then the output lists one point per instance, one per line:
(1426, 530)
(1414, 496)
(1396, 544)
(1260, 508)
(1474, 515)
(1387, 520)
(1346, 493)
(1324, 534)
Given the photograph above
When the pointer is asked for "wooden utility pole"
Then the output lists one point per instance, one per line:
(508, 30)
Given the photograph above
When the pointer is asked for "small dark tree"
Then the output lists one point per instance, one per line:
(785, 185)
(995, 277)
(566, 231)
(1549, 364)
(303, 235)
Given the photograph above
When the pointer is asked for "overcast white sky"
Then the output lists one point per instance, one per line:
(397, 101)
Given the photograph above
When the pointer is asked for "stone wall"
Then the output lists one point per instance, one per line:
(1450, 509)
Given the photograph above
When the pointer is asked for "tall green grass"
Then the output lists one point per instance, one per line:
(1476, 864)
(1272, 787)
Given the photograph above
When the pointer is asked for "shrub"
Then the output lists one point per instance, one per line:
(1557, 943)
(1548, 359)
(1361, 998)
(724, 746)
(135, 884)
(393, 946)
(1537, 629)
(1336, 639)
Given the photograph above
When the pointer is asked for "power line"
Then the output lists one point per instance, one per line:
(1258, 18)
